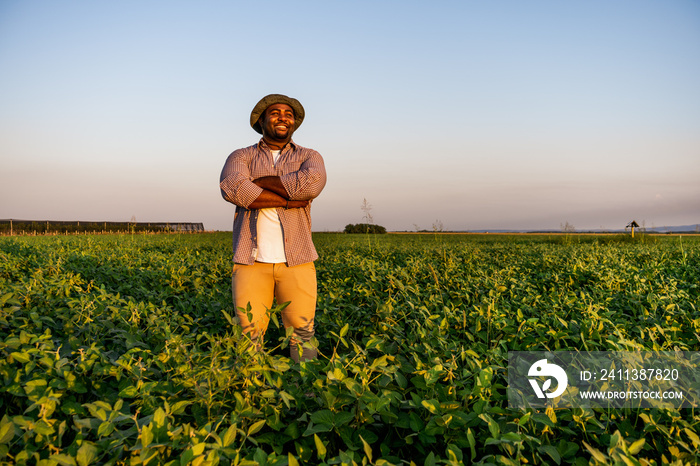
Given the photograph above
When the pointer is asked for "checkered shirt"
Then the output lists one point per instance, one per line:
(303, 175)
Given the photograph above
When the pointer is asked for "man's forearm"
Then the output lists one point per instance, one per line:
(273, 184)
(269, 199)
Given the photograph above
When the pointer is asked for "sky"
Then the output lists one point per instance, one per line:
(462, 115)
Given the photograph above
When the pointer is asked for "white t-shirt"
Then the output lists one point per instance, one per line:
(270, 238)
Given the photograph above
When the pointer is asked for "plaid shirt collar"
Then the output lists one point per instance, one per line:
(290, 144)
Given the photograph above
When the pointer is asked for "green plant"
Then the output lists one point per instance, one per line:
(117, 349)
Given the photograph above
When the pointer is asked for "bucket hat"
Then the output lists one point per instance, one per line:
(272, 99)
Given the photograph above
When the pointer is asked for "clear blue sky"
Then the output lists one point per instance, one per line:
(473, 114)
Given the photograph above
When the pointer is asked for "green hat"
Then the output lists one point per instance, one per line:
(276, 99)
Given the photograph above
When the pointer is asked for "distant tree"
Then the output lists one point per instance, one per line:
(364, 228)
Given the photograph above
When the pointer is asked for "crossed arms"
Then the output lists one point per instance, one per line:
(274, 194)
(291, 190)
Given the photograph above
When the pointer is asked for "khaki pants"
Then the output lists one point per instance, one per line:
(260, 283)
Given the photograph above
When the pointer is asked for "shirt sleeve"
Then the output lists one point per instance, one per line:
(236, 183)
(307, 182)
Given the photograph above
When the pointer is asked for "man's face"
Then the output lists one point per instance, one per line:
(277, 122)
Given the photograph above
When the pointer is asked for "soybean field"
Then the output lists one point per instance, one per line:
(123, 349)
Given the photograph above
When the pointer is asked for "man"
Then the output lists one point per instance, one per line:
(272, 184)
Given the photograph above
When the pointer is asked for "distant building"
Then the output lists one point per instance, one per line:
(187, 227)
(13, 226)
